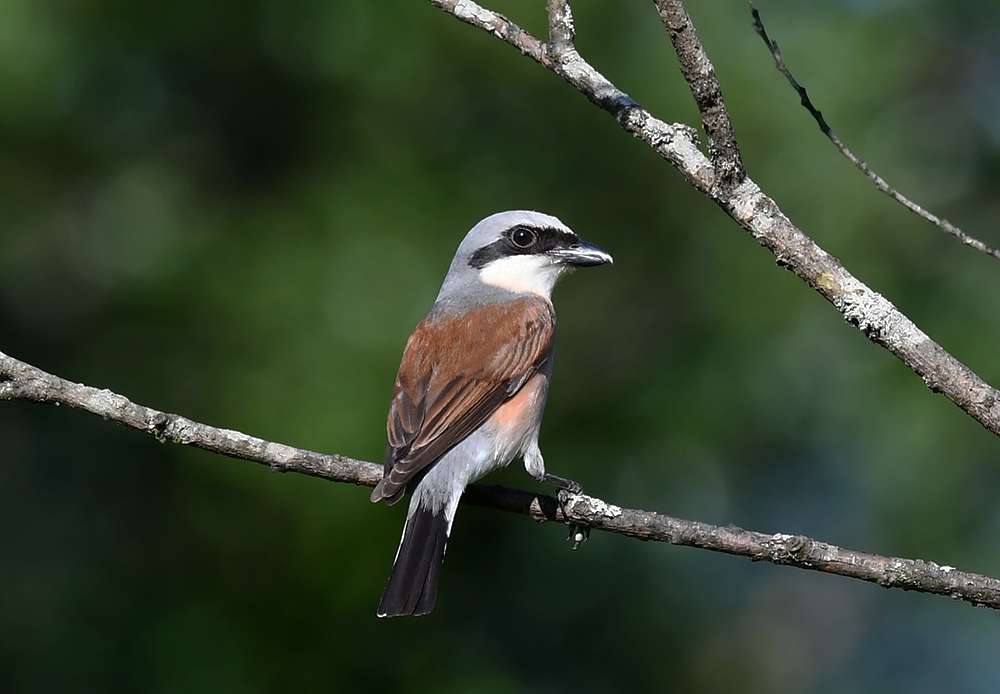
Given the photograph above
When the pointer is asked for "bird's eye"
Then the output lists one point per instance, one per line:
(521, 237)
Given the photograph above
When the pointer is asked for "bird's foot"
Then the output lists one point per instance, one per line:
(568, 488)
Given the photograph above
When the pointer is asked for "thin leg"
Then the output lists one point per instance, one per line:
(561, 483)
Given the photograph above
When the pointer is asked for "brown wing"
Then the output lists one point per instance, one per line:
(454, 375)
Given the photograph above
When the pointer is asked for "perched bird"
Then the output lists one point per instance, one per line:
(471, 386)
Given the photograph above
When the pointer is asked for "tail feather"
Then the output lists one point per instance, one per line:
(413, 583)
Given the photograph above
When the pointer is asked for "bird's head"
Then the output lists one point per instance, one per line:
(519, 251)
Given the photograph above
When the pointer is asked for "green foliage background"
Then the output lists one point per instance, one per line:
(238, 211)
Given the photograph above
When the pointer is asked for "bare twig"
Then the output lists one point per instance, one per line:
(758, 214)
(861, 164)
(700, 75)
(21, 381)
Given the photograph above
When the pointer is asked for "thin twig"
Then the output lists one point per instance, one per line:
(21, 381)
(861, 164)
(700, 75)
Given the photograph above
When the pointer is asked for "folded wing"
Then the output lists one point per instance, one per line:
(455, 373)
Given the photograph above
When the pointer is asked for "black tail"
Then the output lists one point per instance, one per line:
(413, 583)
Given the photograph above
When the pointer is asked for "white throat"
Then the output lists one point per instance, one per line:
(533, 274)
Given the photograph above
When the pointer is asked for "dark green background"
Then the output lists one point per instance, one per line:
(238, 211)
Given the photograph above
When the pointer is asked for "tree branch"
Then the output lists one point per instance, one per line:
(862, 307)
(861, 164)
(706, 90)
(21, 381)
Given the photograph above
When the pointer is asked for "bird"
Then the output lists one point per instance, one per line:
(472, 385)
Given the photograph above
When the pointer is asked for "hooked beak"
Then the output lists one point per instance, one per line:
(582, 254)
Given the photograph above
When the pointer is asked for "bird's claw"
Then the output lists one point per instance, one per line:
(577, 533)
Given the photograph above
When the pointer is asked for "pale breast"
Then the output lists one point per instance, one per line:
(514, 426)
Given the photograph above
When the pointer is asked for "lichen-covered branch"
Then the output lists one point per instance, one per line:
(744, 201)
(20, 381)
(707, 92)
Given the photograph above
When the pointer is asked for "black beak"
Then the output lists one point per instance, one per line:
(581, 254)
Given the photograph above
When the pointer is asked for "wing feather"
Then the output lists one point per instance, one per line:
(455, 373)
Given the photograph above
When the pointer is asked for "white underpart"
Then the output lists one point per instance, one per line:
(442, 487)
(536, 274)
(490, 447)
